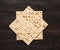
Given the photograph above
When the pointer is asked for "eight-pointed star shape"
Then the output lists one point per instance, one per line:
(28, 25)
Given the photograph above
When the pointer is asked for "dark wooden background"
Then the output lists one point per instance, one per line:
(51, 14)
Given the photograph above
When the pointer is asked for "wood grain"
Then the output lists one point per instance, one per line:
(51, 14)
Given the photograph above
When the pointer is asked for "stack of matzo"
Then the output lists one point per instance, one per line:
(28, 25)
